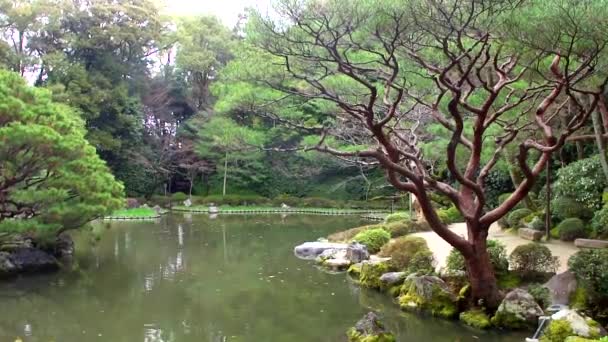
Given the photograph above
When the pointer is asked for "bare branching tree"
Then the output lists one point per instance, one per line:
(392, 68)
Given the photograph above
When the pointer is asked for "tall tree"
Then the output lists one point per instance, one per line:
(49, 174)
(203, 47)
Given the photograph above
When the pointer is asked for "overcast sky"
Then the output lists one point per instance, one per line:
(226, 10)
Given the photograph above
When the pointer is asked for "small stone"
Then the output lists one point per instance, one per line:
(369, 328)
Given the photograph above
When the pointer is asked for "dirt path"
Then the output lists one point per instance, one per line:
(441, 249)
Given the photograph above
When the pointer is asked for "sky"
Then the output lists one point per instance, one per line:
(227, 10)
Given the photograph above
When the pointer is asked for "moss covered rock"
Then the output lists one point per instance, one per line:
(371, 271)
(354, 271)
(476, 318)
(567, 323)
(369, 329)
(428, 293)
(518, 310)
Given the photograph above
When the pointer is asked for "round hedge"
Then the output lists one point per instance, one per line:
(533, 258)
(374, 239)
(571, 229)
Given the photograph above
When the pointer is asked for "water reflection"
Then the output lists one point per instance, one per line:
(233, 278)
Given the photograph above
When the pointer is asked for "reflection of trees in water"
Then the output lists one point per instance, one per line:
(205, 280)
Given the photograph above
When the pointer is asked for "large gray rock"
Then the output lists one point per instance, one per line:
(369, 328)
(26, 260)
(392, 278)
(518, 310)
(356, 252)
(581, 326)
(311, 250)
(589, 243)
(530, 234)
(561, 286)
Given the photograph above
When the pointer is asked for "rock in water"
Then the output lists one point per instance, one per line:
(561, 287)
(518, 310)
(310, 250)
(356, 252)
(428, 293)
(32, 260)
(369, 329)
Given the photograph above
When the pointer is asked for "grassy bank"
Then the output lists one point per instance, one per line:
(271, 209)
(134, 213)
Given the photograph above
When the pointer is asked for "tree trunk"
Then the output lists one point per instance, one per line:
(225, 173)
(516, 179)
(601, 144)
(484, 287)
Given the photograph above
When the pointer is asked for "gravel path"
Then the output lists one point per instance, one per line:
(441, 249)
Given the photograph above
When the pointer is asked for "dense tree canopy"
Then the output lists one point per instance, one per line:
(49, 174)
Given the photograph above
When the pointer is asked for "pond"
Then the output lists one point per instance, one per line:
(189, 278)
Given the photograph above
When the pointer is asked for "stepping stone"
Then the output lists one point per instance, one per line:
(589, 243)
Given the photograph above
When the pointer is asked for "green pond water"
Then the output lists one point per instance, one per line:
(192, 278)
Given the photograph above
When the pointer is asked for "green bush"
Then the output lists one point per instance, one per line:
(571, 229)
(532, 259)
(410, 254)
(450, 215)
(374, 239)
(557, 331)
(498, 255)
(348, 235)
(398, 216)
(541, 294)
(537, 223)
(582, 181)
(564, 207)
(599, 223)
(591, 268)
(178, 197)
(515, 218)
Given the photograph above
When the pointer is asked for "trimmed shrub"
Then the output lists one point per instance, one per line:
(410, 254)
(402, 228)
(498, 255)
(537, 223)
(571, 229)
(179, 196)
(515, 218)
(395, 217)
(599, 223)
(450, 215)
(591, 268)
(374, 239)
(564, 207)
(533, 259)
(348, 235)
(582, 181)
